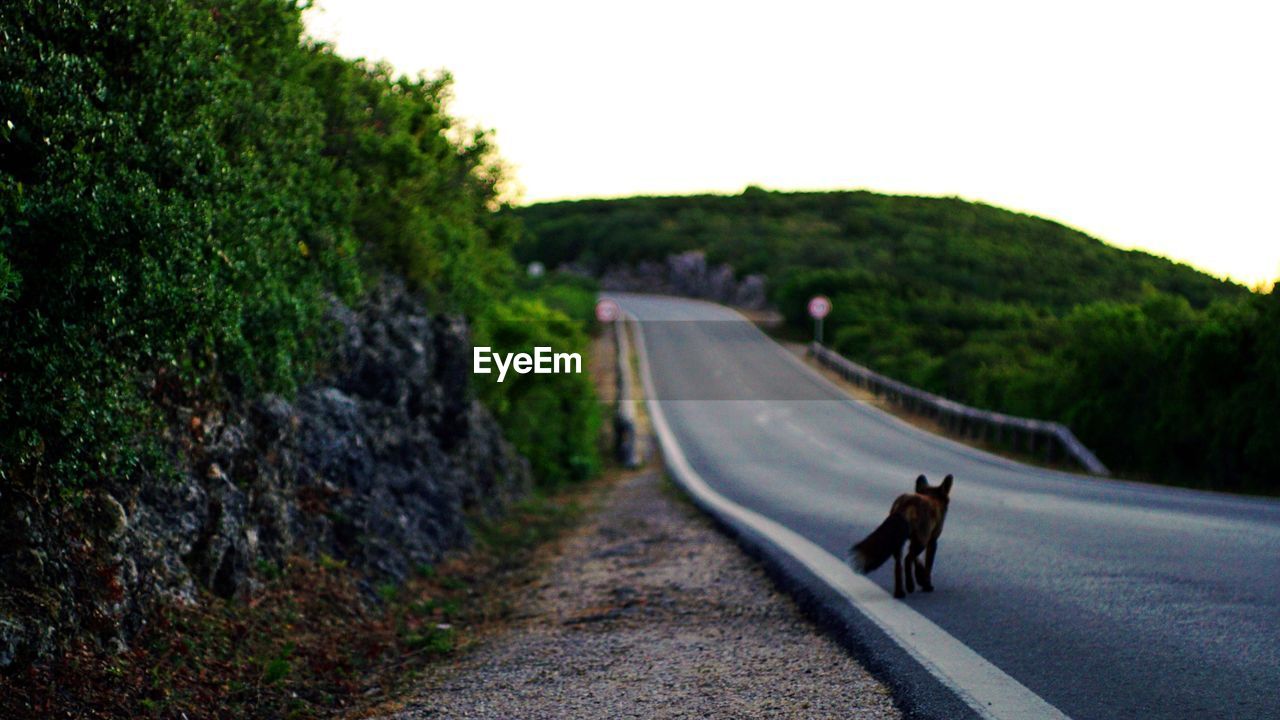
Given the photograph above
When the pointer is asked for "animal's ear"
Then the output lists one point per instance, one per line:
(922, 482)
(946, 485)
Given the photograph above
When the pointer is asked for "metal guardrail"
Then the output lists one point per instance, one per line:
(1026, 434)
(626, 442)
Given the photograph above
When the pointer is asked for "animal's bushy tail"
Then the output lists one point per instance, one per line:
(879, 545)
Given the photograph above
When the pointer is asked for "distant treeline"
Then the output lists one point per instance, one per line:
(1166, 372)
(185, 184)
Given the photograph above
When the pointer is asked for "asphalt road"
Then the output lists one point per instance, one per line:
(1109, 599)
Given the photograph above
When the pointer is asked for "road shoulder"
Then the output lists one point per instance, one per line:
(649, 611)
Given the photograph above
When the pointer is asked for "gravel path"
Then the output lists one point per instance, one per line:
(650, 612)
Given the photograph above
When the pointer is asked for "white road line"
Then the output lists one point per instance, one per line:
(983, 686)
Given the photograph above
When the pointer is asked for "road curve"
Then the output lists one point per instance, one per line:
(1108, 599)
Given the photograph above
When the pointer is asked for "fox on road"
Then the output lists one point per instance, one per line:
(916, 517)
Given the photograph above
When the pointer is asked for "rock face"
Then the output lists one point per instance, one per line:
(688, 274)
(376, 466)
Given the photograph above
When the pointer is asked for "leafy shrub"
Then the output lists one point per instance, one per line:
(553, 420)
(167, 216)
(1180, 395)
(573, 295)
(183, 185)
(425, 189)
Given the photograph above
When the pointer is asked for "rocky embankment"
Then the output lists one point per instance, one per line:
(375, 466)
(688, 274)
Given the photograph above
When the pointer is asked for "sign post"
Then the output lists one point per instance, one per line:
(819, 307)
(607, 310)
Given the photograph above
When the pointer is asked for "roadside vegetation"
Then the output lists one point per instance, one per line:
(556, 312)
(309, 642)
(1167, 373)
(185, 186)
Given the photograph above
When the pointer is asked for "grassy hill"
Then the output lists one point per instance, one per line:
(999, 309)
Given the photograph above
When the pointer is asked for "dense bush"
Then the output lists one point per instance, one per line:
(1180, 395)
(182, 186)
(167, 213)
(1167, 372)
(573, 295)
(552, 419)
(424, 188)
(425, 194)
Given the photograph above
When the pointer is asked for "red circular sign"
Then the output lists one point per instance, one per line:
(819, 306)
(607, 310)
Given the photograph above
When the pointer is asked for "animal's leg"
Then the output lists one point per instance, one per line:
(913, 559)
(922, 576)
(932, 549)
(897, 573)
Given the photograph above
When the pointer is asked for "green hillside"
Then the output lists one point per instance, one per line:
(995, 308)
(932, 244)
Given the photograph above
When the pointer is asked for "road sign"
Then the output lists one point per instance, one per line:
(819, 306)
(607, 310)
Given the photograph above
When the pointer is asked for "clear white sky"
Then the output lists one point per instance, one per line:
(1147, 125)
